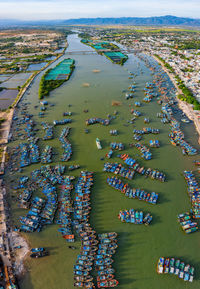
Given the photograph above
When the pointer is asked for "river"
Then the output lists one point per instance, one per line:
(139, 246)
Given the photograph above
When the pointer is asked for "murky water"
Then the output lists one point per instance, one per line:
(139, 246)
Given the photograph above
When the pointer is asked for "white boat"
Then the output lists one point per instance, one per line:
(98, 143)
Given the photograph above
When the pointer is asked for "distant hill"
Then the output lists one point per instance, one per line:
(148, 21)
(145, 21)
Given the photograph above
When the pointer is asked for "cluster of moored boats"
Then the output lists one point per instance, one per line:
(154, 143)
(118, 169)
(46, 156)
(135, 217)
(38, 252)
(29, 154)
(95, 120)
(65, 209)
(62, 121)
(65, 144)
(146, 154)
(151, 173)
(117, 146)
(149, 92)
(176, 267)
(113, 132)
(177, 138)
(96, 251)
(48, 131)
(129, 192)
(147, 130)
(194, 192)
(187, 223)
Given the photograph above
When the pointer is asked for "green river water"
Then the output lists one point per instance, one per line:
(139, 246)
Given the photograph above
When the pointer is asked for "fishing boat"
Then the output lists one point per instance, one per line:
(160, 266)
(98, 143)
(176, 267)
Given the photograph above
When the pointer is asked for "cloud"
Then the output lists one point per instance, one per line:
(64, 9)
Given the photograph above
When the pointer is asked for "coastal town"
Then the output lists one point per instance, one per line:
(91, 121)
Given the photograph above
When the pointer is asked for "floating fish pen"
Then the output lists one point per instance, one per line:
(117, 146)
(66, 145)
(62, 122)
(194, 192)
(146, 154)
(95, 120)
(134, 217)
(48, 131)
(129, 192)
(177, 138)
(118, 169)
(151, 173)
(65, 209)
(176, 267)
(187, 223)
(46, 156)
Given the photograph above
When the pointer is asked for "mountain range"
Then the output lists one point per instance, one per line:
(167, 20)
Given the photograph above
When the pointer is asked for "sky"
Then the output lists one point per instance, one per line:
(66, 9)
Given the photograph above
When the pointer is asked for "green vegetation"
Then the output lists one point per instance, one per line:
(189, 44)
(112, 51)
(187, 94)
(165, 63)
(46, 86)
(49, 83)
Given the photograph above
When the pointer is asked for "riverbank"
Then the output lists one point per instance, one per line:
(10, 240)
(184, 106)
(13, 239)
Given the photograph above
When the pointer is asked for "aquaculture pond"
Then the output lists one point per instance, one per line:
(7, 97)
(17, 80)
(35, 67)
(139, 246)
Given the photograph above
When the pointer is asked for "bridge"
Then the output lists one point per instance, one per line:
(89, 52)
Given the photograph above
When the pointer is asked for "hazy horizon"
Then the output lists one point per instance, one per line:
(67, 9)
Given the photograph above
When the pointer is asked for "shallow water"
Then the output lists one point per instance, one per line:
(139, 246)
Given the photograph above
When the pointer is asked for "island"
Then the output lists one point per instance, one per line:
(55, 77)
